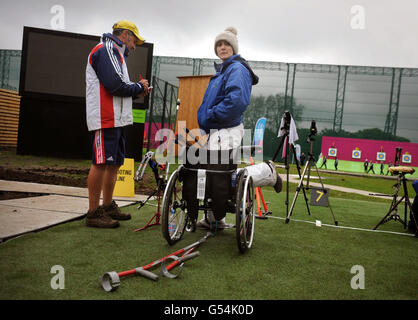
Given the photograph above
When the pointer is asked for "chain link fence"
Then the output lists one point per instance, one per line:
(342, 100)
(162, 112)
(10, 69)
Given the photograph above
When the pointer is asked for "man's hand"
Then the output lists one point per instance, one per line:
(145, 85)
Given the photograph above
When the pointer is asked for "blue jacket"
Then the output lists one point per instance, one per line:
(227, 96)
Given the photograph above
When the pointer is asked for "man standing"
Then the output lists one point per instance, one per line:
(389, 165)
(382, 167)
(109, 94)
(302, 159)
(366, 165)
(324, 163)
(371, 167)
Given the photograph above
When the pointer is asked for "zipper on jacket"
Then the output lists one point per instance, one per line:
(121, 108)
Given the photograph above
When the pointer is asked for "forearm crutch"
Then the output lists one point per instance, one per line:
(110, 281)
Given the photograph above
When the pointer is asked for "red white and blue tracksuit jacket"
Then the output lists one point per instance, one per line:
(109, 91)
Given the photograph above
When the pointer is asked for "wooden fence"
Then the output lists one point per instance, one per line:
(9, 117)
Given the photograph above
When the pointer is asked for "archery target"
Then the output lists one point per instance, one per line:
(356, 154)
(381, 156)
(406, 158)
(332, 152)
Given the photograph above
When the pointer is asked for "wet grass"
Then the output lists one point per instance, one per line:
(295, 260)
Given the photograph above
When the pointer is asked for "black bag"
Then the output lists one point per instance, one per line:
(218, 185)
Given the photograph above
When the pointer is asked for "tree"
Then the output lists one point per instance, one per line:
(377, 134)
(371, 133)
(272, 107)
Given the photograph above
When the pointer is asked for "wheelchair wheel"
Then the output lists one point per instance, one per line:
(244, 212)
(173, 217)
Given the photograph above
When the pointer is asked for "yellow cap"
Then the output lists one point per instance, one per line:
(128, 25)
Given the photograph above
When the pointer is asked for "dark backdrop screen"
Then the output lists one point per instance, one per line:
(55, 63)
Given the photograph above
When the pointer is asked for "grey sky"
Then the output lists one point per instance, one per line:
(305, 31)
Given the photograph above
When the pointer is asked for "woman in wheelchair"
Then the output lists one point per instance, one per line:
(220, 114)
(208, 188)
(215, 186)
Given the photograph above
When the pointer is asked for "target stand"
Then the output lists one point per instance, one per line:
(392, 214)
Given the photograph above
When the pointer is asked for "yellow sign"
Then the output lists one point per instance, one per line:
(125, 186)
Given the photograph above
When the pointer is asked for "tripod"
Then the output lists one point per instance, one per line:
(285, 143)
(393, 211)
(307, 168)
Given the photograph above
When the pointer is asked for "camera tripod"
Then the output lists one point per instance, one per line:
(307, 168)
(284, 129)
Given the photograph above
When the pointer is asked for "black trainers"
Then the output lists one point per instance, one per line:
(214, 225)
(98, 219)
(113, 211)
(279, 184)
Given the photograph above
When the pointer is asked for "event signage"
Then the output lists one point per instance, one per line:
(125, 184)
(259, 133)
(319, 197)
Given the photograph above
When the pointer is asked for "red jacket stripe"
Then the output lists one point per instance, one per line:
(99, 151)
(100, 45)
(107, 114)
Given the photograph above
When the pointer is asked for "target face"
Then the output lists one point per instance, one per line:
(332, 152)
(356, 154)
(381, 156)
(406, 158)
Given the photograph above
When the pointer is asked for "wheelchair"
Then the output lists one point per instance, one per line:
(180, 205)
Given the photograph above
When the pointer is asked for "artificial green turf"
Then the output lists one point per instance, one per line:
(358, 167)
(297, 260)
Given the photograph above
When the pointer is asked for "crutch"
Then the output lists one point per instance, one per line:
(110, 281)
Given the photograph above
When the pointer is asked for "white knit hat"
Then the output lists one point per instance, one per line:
(230, 36)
